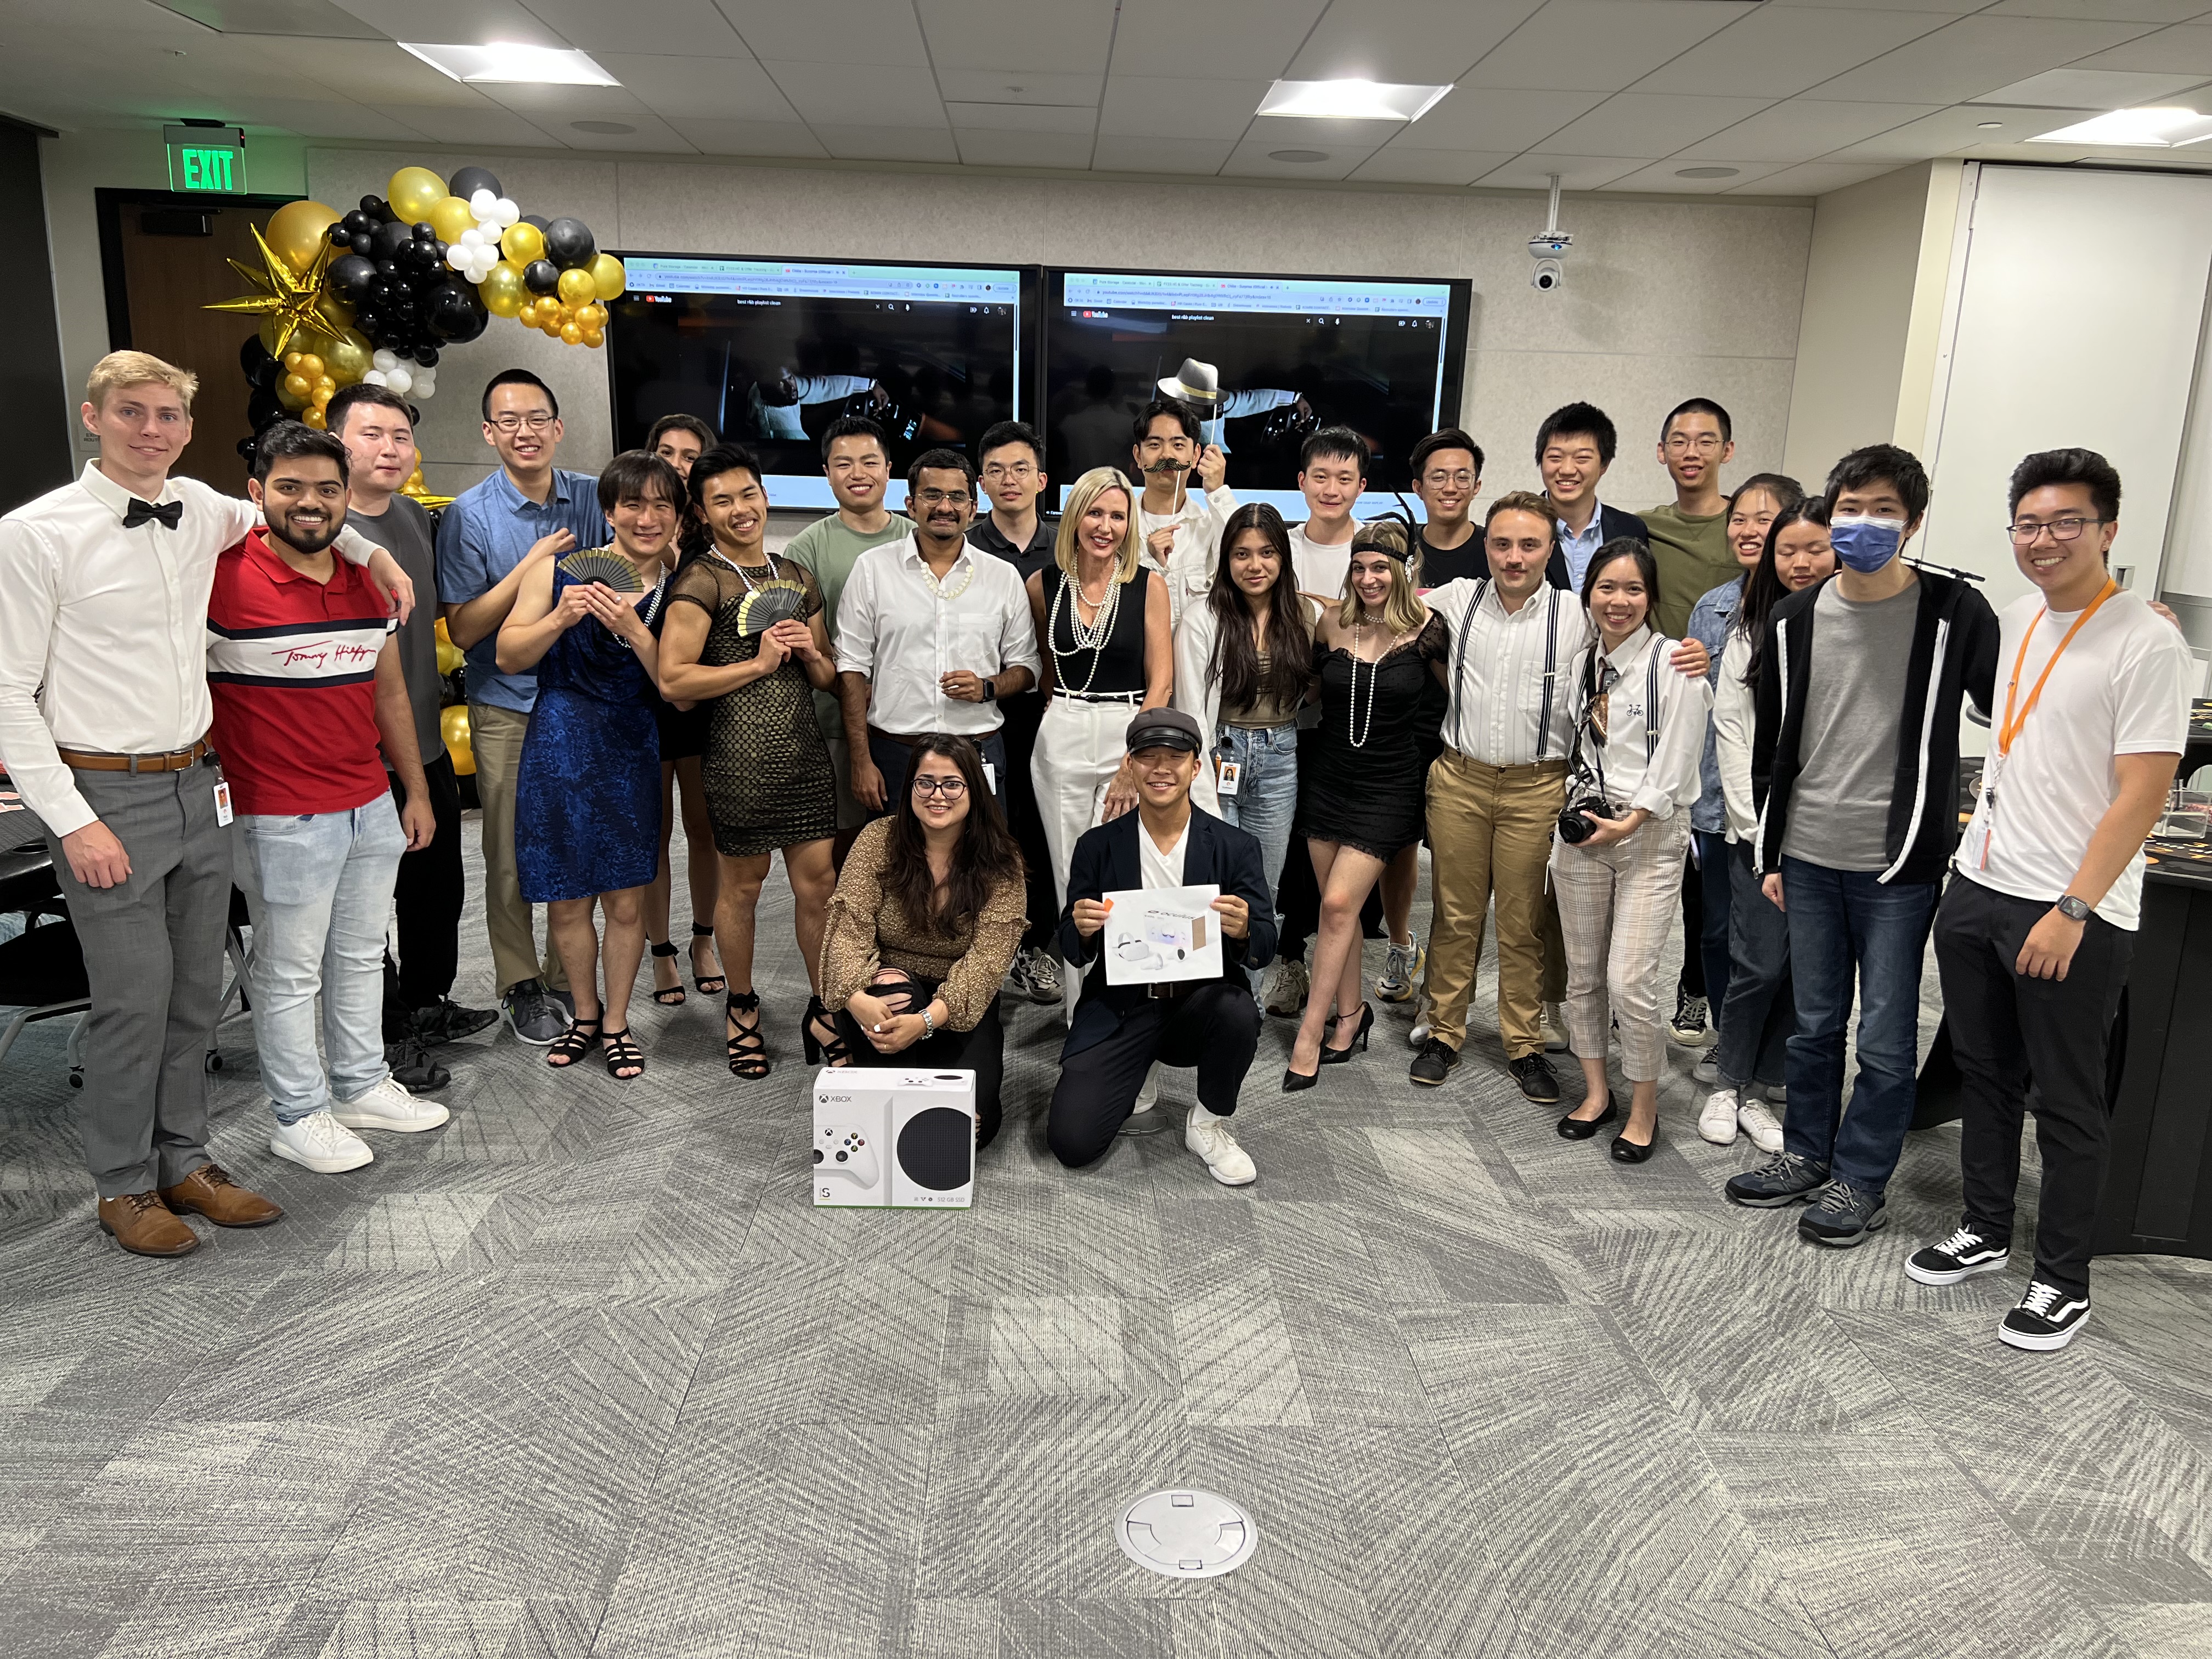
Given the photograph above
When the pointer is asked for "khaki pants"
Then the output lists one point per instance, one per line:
(1490, 832)
(495, 738)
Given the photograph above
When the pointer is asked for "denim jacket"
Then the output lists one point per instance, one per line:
(1708, 626)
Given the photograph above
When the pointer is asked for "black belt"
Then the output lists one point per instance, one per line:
(1169, 990)
(1099, 696)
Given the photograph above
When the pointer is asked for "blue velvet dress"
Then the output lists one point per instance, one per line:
(588, 798)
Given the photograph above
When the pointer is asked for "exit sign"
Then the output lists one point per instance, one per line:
(206, 159)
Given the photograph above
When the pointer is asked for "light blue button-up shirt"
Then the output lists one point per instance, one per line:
(1581, 549)
(486, 532)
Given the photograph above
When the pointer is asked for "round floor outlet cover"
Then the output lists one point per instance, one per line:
(1186, 1534)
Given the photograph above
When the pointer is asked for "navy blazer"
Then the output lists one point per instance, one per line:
(1214, 854)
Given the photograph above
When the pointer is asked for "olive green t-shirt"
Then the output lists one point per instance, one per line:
(827, 550)
(1693, 555)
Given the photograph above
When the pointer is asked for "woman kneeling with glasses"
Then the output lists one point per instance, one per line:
(927, 915)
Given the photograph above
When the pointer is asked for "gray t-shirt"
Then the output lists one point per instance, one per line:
(1854, 701)
(403, 530)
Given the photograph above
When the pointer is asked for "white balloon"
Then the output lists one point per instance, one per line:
(399, 379)
(457, 255)
(471, 238)
(424, 386)
(506, 210)
(425, 378)
(480, 202)
(374, 376)
(385, 359)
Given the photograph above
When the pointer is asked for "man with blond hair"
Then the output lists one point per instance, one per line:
(103, 603)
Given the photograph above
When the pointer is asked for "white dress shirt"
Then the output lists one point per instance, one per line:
(1734, 717)
(905, 630)
(1197, 549)
(1655, 769)
(1501, 667)
(103, 630)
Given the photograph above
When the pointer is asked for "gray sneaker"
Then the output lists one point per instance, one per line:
(1786, 1178)
(1035, 975)
(1842, 1215)
(535, 1016)
(1287, 989)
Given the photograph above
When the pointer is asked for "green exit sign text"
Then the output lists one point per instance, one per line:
(205, 169)
(208, 159)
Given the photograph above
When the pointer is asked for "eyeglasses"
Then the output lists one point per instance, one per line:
(1705, 444)
(951, 788)
(998, 474)
(2024, 530)
(537, 422)
(1464, 478)
(943, 498)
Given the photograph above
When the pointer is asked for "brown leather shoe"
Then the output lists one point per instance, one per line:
(207, 1191)
(143, 1225)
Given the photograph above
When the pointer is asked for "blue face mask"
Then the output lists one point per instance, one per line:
(1864, 543)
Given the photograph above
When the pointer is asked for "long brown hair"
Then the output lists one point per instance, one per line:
(1236, 664)
(1403, 610)
(984, 857)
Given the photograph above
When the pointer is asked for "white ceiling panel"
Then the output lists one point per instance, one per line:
(1532, 171)
(2189, 47)
(351, 68)
(721, 137)
(1950, 130)
(485, 126)
(1424, 42)
(1023, 117)
(889, 95)
(455, 22)
(2096, 89)
(1802, 129)
(1784, 50)
(715, 87)
(1165, 107)
(563, 104)
(983, 147)
(1238, 38)
(1662, 177)
(1065, 35)
(1966, 59)
(1496, 118)
(648, 131)
(1252, 160)
(1017, 86)
(323, 117)
(1632, 123)
(2108, 11)
(1399, 165)
(1124, 154)
(1940, 8)
(1601, 45)
(1294, 132)
(1812, 179)
(829, 31)
(640, 26)
(873, 143)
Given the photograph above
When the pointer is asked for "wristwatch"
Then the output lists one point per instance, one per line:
(990, 688)
(2073, 909)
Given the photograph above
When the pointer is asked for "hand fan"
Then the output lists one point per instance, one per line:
(596, 564)
(770, 602)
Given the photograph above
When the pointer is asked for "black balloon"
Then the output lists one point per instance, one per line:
(339, 235)
(363, 244)
(373, 206)
(424, 231)
(390, 237)
(356, 220)
(536, 219)
(569, 243)
(454, 312)
(252, 354)
(541, 277)
(350, 277)
(469, 180)
(370, 323)
(263, 407)
(428, 356)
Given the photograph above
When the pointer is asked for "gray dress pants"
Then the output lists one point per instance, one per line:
(153, 952)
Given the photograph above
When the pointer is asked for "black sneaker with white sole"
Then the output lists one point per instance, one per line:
(2046, 1318)
(1961, 1255)
(1786, 1178)
(1537, 1080)
(1842, 1215)
(1434, 1063)
(1688, 1026)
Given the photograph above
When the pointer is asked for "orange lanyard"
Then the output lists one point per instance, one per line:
(2008, 733)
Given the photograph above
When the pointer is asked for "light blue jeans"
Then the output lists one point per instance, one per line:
(1267, 799)
(319, 889)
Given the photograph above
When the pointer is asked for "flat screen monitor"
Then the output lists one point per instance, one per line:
(1290, 355)
(768, 352)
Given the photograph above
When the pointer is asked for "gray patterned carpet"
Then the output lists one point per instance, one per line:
(584, 1373)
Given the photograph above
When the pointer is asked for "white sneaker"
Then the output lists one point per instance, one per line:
(389, 1106)
(1707, 1071)
(1401, 971)
(319, 1142)
(1149, 1094)
(1777, 1094)
(1555, 1029)
(1287, 989)
(1716, 1121)
(1209, 1136)
(1761, 1125)
(1419, 1034)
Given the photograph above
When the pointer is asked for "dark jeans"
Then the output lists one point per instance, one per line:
(1756, 1019)
(1216, 1028)
(1716, 898)
(1024, 711)
(1846, 925)
(892, 758)
(428, 901)
(982, 1051)
(2007, 1029)
(1694, 967)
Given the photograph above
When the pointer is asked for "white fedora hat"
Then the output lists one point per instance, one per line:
(1193, 383)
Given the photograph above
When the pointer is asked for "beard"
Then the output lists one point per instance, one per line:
(310, 537)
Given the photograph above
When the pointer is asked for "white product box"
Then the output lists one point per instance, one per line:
(887, 1137)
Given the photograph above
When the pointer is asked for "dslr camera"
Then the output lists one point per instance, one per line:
(1575, 825)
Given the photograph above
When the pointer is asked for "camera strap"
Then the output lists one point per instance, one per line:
(1578, 768)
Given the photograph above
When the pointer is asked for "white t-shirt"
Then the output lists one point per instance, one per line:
(2121, 688)
(1156, 868)
(1320, 566)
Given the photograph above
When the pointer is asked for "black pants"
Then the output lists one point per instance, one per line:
(428, 898)
(1023, 714)
(1692, 976)
(1216, 1028)
(2006, 1028)
(982, 1051)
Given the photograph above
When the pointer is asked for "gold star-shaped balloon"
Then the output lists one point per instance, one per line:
(296, 301)
(424, 499)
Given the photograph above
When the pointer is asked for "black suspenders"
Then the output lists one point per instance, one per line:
(1551, 666)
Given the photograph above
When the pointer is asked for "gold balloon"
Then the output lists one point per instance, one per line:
(299, 230)
(346, 356)
(608, 277)
(292, 401)
(575, 286)
(326, 387)
(450, 657)
(450, 216)
(310, 366)
(413, 193)
(292, 360)
(571, 335)
(594, 337)
(522, 243)
(297, 387)
(591, 316)
(454, 725)
(313, 416)
(503, 291)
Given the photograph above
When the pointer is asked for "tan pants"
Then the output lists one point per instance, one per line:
(1489, 833)
(1618, 905)
(495, 738)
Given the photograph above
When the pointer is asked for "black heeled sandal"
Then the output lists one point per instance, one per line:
(832, 1050)
(712, 984)
(573, 1044)
(671, 996)
(1357, 1045)
(625, 1060)
(747, 1049)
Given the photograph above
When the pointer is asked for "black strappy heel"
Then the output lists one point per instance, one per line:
(672, 997)
(625, 1060)
(747, 1050)
(832, 1050)
(573, 1044)
(713, 984)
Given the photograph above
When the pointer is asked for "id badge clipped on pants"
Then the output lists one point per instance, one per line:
(222, 813)
(1225, 780)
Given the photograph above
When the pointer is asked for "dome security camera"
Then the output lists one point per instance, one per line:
(1549, 250)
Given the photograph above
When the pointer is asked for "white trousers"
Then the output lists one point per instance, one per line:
(1080, 747)
(1617, 906)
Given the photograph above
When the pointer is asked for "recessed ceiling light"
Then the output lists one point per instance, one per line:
(1989, 126)
(1351, 100)
(548, 66)
(2143, 128)
(612, 128)
(1298, 155)
(1706, 172)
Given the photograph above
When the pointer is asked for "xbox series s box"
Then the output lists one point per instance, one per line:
(884, 1138)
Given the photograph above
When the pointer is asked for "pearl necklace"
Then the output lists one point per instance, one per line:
(938, 587)
(751, 586)
(1374, 680)
(1091, 638)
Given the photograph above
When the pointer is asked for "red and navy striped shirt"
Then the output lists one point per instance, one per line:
(292, 671)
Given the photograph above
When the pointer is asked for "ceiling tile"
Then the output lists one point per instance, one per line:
(1240, 39)
(1663, 177)
(1952, 130)
(323, 117)
(475, 128)
(1017, 86)
(2189, 47)
(1783, 50)
(701, 86)
(1398, 164)
(1940, 8)
(1966, 59)
(1296, 132)
(981, 147)
(2108, 11)
(1498, 117)
(693, 26)
(1065, 35)
(348, 66)
(309, 19)
(723, 137)
(1816, 178)
(2096, 88)
(1166, 107)
(1023, 117)
(1531, 171)
(649, 132)
(556, 106)
(895, 96)
(829, 31)
(1424, 42)
(1803, 128)
(1125, 153)
(447, 21)
(873, 143)
(1601, 45)
(1252, 160)
(1649, 123)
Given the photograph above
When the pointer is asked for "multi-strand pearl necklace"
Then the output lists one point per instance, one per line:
(1091, 638)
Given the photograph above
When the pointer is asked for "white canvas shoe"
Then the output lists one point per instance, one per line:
(1761, 1125)
(1716, 1121)
(1209, 1136)
(319, 1142)
(389, 1106)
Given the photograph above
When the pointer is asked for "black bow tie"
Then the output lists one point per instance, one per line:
(139, 511)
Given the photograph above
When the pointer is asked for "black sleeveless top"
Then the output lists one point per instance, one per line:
(1120, 660)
